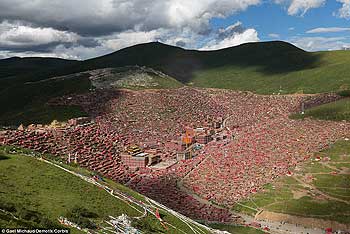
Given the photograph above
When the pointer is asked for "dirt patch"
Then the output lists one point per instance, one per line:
(297, 194)
(344, 157)
(345, 171)
(306, 222)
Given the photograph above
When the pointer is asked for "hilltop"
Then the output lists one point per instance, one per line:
(264, 68)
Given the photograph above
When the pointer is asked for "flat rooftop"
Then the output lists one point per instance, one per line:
(164, 164)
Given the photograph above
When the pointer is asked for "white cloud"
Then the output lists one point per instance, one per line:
(328, 30)
(71, 27)
(300, 7)
(91, 17)
(233, 35)
(344, 11)
(16, 35)
(274, 35)
(8, 54)
(128, 38)
(25, 37)
(320, 43)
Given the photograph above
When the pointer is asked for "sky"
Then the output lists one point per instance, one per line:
(83, 29)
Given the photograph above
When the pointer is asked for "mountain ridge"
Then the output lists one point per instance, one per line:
(275, 67)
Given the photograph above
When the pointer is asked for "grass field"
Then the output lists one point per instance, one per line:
(39, 193)
(236, 229)
(328, 73)
(339, 110)
(319, 189)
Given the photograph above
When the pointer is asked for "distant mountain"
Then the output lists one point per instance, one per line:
(271, 57)
(15, 66)
(263, 67)
(14, 71)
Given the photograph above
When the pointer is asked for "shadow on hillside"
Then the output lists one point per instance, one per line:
(268, 58)
(3, 157)
(165, 190)
(27, 103)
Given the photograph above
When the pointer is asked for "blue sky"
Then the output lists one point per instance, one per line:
(82, 29)
(272, 22)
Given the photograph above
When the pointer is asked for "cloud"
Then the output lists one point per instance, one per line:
(320, 43)
(81, 29)
(127, 38)
(274, 35)
(300, 7)
(86, 28)
(23, 37)
(105, 17)
(233, 35)
(328, 30)
(344, 11)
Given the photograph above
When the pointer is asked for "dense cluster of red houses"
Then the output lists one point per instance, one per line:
(264, 148)
(246, 141)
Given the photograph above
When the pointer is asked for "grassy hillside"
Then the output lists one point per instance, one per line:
(253, 66)
(37, 194)
(23, 93)
(234, 229)
(339, 110)
(320, 189)
(26, 103)
(300, 72)
(14, 71)
(266, 68)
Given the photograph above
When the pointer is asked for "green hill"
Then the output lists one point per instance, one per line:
(35, 194)
(26, 102)
(208, 68)
(265, 67)
(14, 71)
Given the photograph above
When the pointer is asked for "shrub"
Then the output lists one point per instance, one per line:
(344, 93)
(8, 206)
